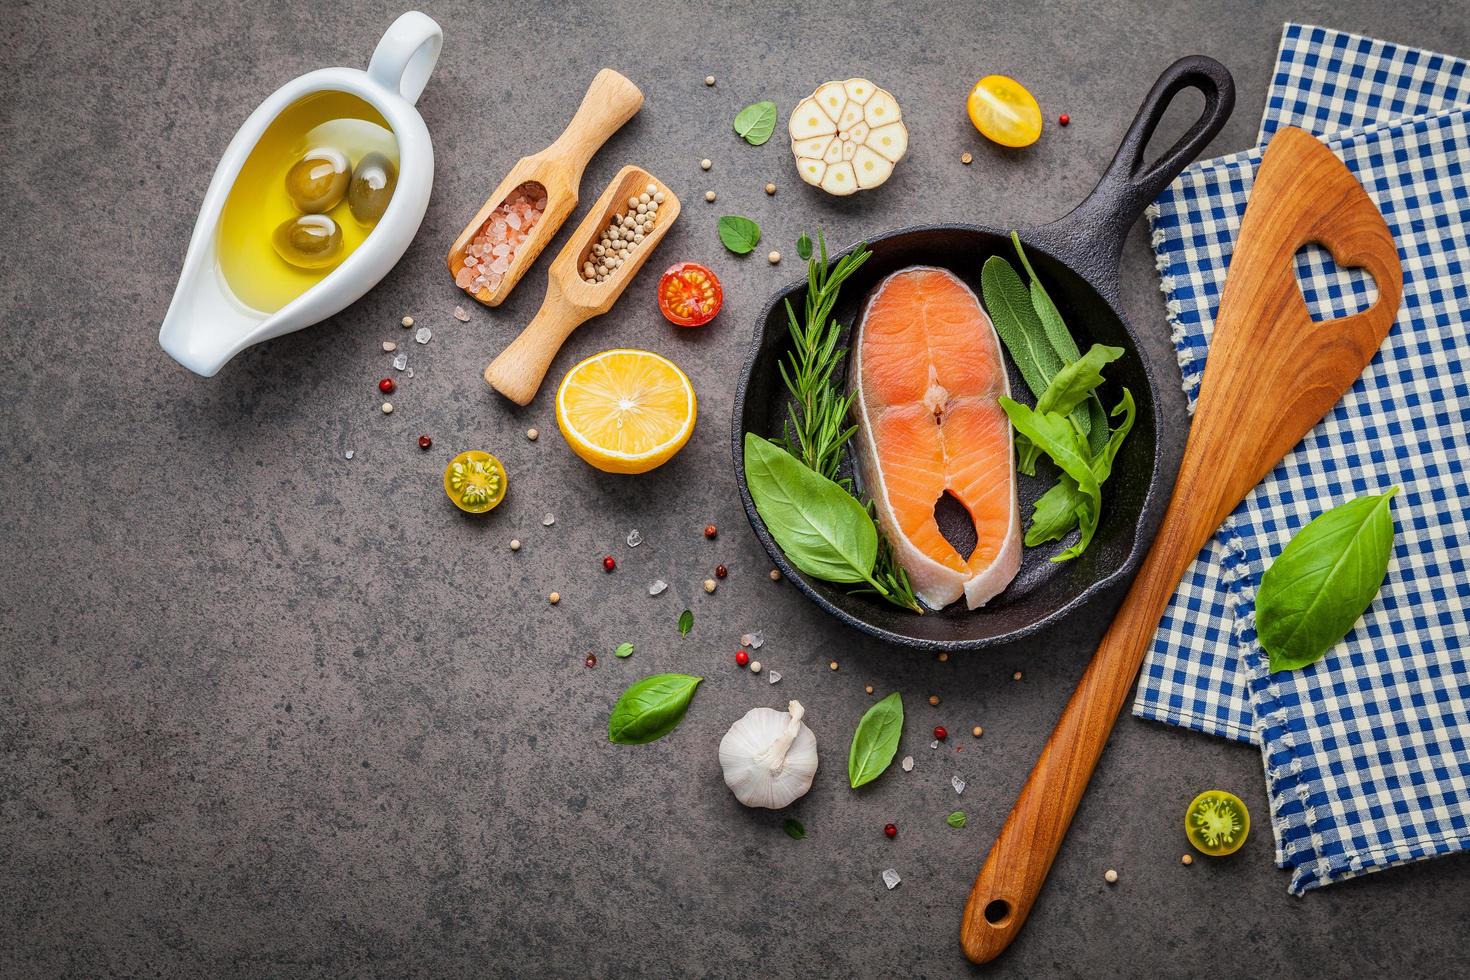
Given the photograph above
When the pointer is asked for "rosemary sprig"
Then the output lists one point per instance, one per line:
(818, 428)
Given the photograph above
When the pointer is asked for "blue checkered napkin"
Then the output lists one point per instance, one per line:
(1366, 752)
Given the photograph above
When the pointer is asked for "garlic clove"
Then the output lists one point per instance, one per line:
(831, 99)
(807, 121)
(889, 141)
(834, 152)
(870, 168)
(812, 171)
(839, 179)
(814, 149)
(851, 116)
(858, 90)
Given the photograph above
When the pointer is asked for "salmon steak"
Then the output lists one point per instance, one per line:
(927, 376)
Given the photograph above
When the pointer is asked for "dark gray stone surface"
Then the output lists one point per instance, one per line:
(269, 712)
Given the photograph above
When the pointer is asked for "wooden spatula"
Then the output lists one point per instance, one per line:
(1272, 374)
(572, 300)
(611, 100)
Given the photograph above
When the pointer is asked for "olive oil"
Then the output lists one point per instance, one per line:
(259, 202)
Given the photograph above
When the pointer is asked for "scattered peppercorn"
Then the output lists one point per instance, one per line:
(554, 598)
(532, 434)
(755, 666)
(868, 688)
(425, 442)
(710, 196)
(775, 574)
(1187, 859)
(515, 544)
(741, 658)
(943, 657)
(705, 164)
(770, 188)
(387, 408)
(890, 830)
(1064, 119)
(832, 665)
(591, 660)
(773, 258)
(1110, 876)
(609, 563)
(933, 699)
(940, 734)
(386, 386)
(407, 322)
(1016, 676)
(977, 731)
(966, 159)
(721, 571)
(710, 585)
(709, 79)
(710, 531)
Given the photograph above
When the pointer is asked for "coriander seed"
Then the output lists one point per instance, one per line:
(407, 321)
(709, 79)
(705, 164)
(933, 700)
(773, 258)
(515, 544)
(770, 188)
(709, 196)
(1110, 876)
(710, 585)
(554, 598)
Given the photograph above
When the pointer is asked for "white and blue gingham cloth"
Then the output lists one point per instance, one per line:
(1367, 752)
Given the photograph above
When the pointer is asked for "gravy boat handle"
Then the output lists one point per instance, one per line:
(405, 57)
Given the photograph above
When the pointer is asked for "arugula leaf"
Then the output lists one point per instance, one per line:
(795, 830)
(1015, 320)
(686, 622)
(1067, 391)
(740, 235)
(1324, 580)
(957, 820)
(651, 708)
(1059, 438)
(623, 651)
(1061, 508)
(824, 531)
(755, 123)
(876, 741)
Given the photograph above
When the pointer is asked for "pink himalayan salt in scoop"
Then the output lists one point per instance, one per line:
(494, 247)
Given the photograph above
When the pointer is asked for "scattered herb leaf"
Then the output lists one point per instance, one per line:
(876, 741)
(623, 650)
(804, 247)
(795, 830)
(1324, 580)
(650, 708)
(740, 235)
(686, 622)
(822, 528)
(957, 820)
(755, 123)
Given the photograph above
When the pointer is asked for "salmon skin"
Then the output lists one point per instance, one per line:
(927, 374)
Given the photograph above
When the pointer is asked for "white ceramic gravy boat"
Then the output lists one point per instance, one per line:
(206, 324)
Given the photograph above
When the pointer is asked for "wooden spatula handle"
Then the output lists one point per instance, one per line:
(518, 371)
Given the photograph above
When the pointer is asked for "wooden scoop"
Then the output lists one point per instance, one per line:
(611, 100)
(1272, 374)
(571, 300)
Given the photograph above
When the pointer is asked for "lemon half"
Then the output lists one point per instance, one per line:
(626, 411)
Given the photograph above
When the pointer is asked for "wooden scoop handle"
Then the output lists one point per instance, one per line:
(1272, 374)
(611, 100)
(517, 371)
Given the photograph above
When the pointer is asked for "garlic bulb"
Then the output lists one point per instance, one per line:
(847, 136)
(769, 757)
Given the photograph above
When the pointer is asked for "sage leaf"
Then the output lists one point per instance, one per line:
(957, 820)
(795, 830)
(824, 531)
(624, 650)
(651, 708)
(755, 123)
(1052, 323)
(1097, 418)
(740, 235)
(1009, 305)
(686, 622)
(876, 741)
(1324, 580)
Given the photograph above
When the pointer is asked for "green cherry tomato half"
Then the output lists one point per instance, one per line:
(475, 481)
(1217, 823)
(1003, 111)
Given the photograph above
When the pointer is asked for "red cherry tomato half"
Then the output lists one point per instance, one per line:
(689, 295)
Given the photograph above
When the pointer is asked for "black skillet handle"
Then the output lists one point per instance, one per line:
(1090, 239)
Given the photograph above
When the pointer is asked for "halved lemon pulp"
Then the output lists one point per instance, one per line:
(626, 411)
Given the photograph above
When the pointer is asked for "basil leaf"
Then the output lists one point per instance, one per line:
(957, 820)
(804, 247)
(686, 622)
(623, 650)
(1324, 580)
(824, 531)
(1069, 388)
(755, 123)
(875, 741)
(740, 235)
(795, 830)
(1020, 329)
(651, 708)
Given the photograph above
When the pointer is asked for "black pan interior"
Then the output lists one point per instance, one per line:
(1043, 590)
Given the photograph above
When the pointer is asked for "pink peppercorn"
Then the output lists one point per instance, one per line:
(742, 658)
(386, 386)
(609, 563)
(890, 830)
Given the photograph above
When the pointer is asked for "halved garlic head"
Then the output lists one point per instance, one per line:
(847, 136)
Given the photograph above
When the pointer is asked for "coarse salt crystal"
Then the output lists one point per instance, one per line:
(908, 763)
(461, 315)
(775, 676)
(423, 334)
(349, 454)
(400, 362)
(934, 744)
(891, 879)
(388, 345)
(634, 538)
(957, 783)
(752, 640)
(657, 586)
(548, 520)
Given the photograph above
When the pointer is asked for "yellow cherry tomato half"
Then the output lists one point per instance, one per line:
(1003, 111)
(475, 481)
(1217, 823)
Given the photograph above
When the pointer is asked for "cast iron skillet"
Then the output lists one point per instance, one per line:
(1077, 257)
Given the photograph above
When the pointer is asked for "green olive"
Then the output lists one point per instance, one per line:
(318, 181)
(373, 181)
(309, 241)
